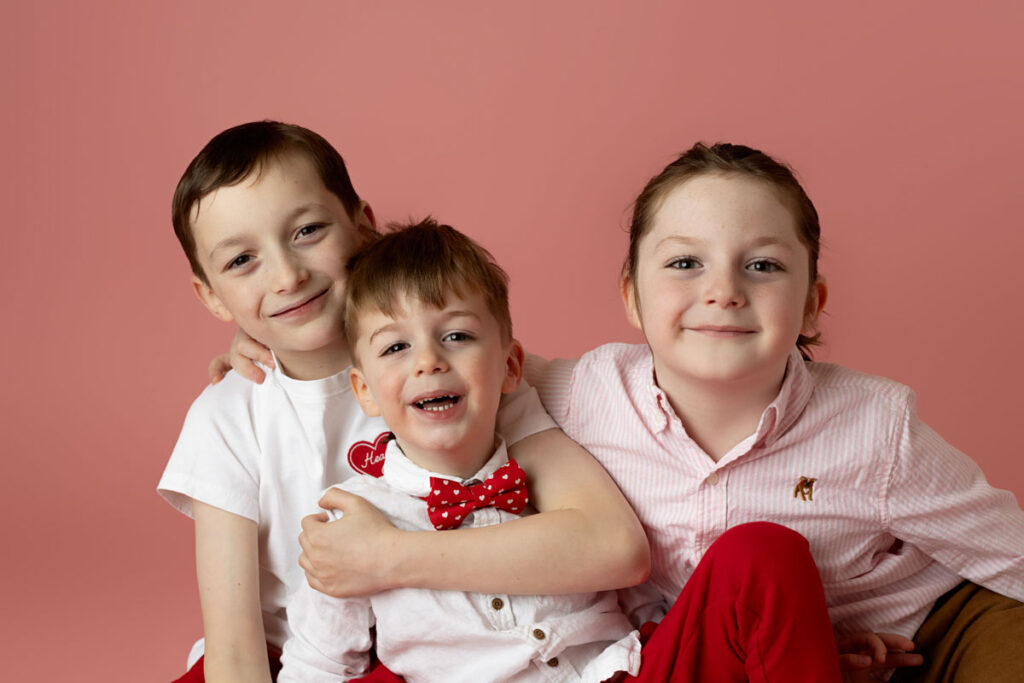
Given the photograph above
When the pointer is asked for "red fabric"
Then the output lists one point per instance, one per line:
(196, 674)
(754, 610)
(379, 673)
(450, 501)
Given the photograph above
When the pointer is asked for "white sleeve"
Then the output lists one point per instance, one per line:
(330, 639)
(938, 499)
(215, 460)
(521, 415)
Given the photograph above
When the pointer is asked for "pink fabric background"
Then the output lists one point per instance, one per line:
(530, 125)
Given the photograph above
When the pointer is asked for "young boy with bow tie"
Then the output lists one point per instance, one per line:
(427, 319)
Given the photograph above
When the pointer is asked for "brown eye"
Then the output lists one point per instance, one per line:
(685, 263)
(239, 261)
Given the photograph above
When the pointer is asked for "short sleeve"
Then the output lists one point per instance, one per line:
(215, 460)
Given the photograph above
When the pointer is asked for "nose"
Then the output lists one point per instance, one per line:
(430, 360)
(289, 274)
(724, 289)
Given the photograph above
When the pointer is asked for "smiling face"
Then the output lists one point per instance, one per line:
(273, 248)
(722, 287)
(436, 376)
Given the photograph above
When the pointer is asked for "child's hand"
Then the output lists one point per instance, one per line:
(863, 653)
(245, 351)
(344, 558)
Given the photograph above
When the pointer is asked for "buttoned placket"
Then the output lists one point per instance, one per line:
(499, 609)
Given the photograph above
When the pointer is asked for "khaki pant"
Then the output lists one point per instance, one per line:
(971, 636)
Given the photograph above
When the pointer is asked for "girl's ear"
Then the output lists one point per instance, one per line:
(513, 368)
(630, 302)
(362, 392)
(815, 304)
(209, 299)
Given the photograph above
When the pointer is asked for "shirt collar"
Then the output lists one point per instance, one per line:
(405, 476)
(793, 397)
(779, 416)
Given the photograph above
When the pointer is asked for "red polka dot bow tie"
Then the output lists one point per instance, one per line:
(449, 502)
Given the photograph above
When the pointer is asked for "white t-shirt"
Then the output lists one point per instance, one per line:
(459, 636)
(267, 451)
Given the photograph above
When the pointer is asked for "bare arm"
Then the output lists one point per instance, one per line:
(227, 567)
(585, 538)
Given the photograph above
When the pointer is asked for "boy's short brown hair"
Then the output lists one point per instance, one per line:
(426, 260)
(232, 155)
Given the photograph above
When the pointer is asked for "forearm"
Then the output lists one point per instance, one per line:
(586, 537)
(561, 551)
(228, 577)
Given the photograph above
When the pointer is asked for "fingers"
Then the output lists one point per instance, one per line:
(218, 367)
(895, 642)
(336, 499)
(895, 660)
(311, 521)
(854, 662)
(865, 643)
(245, 353)
(877, 651)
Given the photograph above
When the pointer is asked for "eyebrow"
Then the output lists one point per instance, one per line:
(458, 313)
(766, 241)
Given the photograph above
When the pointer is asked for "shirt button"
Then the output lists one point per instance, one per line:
(712, 478)
(553, 662)
(497, 603)
(538, 634)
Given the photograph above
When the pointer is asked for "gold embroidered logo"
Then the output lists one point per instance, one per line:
(804, 488)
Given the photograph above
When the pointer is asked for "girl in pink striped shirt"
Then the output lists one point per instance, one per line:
(721, 419)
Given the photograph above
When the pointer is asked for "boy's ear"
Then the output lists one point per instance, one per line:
(513, 367)
(212, 302)
(629, 301)
(362, 392)
(366, 222)
(815, 304)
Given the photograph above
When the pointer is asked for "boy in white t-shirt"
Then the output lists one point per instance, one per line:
(268, 217)
(426, 313)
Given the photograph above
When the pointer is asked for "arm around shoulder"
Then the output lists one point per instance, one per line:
(586, 537)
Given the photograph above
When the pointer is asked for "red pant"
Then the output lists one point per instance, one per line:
(754, 610)
(379, 674)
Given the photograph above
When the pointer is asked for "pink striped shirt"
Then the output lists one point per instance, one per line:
(894, 515)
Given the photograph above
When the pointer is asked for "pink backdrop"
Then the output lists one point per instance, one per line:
(530, 125)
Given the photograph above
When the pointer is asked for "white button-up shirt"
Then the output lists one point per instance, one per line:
(894, 515)
(429, 635)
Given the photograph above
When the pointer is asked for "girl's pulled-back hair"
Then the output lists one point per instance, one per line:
(428, 261)
(724, 158)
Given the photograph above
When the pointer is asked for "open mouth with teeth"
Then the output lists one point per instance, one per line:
(438, 404)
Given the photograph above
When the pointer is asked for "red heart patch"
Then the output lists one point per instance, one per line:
(367, 457)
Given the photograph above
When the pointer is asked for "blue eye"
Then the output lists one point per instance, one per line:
(394, 348)
(764, 266)
(684, 263)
